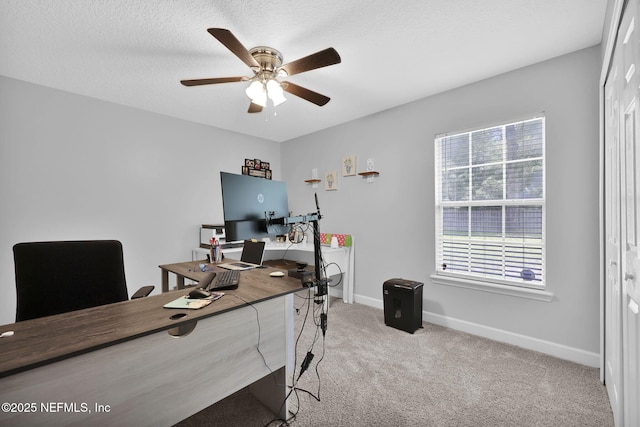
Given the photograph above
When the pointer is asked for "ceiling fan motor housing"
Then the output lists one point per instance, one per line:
(269, 58)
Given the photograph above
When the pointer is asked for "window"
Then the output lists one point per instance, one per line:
(490, 213)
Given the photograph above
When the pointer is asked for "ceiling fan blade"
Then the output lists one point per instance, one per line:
(320, 59)
(199, 82)
(254, 108)
(233, 44)
(304, 93)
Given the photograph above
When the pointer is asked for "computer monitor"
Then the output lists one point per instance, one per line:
(247, 201)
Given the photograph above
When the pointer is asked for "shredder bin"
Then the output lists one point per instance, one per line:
(402, 304)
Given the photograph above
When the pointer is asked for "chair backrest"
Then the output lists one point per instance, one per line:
(57, 277)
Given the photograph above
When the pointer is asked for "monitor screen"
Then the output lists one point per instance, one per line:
(246, 199)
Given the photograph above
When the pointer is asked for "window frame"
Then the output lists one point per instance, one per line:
(469, 279)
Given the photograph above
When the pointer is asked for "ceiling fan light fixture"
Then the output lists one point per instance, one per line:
(257, 93)
(275, 92)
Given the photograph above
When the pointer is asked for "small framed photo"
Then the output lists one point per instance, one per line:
(331, 180)
(257, 168)
(257, 172)
(348, 165)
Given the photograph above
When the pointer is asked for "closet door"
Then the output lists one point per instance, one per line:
(613, 291)
(622, 222)
(630, 162)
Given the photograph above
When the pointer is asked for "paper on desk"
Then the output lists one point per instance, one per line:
(193, 304)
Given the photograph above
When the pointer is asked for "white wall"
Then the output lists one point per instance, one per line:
(72, 167)
(392, 219)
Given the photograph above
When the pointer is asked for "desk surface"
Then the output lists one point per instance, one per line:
(46, 340)
(339, 260)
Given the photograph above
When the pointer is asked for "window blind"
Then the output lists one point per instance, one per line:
(490, 203)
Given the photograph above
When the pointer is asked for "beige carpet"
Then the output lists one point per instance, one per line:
(375, 375)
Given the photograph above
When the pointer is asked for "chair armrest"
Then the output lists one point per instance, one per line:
(143, 292)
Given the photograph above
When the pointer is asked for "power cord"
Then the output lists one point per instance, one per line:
(305, 363)
(339, 273)
(295, 363)
(259, 332)
(317, 315)
(320, 319)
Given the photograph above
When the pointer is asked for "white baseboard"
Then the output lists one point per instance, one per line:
(372, 302)
(547, 347)
(337, 293)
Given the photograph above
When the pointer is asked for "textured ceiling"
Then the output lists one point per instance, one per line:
(135, 52)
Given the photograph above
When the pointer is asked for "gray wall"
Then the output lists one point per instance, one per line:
(73, 167)
(392, 219)
(610, 28)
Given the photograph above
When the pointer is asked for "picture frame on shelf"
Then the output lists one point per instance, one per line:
(257, 168)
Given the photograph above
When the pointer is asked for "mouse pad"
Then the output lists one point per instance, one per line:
(193, 304)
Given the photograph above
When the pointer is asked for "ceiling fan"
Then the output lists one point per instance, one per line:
(266, 64)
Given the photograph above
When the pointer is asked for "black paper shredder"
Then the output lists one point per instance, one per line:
(402, 304)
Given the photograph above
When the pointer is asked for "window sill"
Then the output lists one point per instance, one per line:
(514, 291)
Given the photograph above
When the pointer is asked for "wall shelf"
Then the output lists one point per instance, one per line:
(370, 175)
(312, 181)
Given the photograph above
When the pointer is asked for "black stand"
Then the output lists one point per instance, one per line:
(320, 282)
(313, 219)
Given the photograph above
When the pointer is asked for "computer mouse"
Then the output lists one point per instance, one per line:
(199, 293)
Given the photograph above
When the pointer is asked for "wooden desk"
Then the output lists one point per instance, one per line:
(339, 260)
(117, 365)
(190, 270)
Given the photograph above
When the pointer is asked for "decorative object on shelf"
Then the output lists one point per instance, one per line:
(331, 180)
(370, 164)
(370, 173)
(314, 178)
(258, 168)
(349, 166)
(343, 239)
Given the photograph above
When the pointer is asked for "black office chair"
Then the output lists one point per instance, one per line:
(57, 277)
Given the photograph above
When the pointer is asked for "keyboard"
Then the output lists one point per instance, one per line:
(228, 279)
